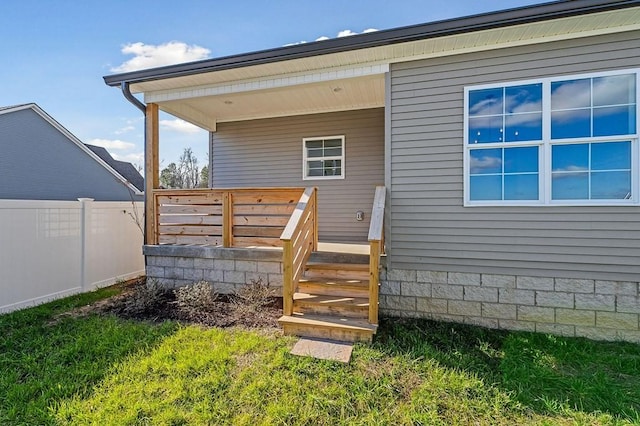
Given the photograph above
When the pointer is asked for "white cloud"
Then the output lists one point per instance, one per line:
(179, 125)
(112, 144)
(480, 164)
(572, 168)
(150, 55)
(133, 157)
(125, 129)
(343, 33)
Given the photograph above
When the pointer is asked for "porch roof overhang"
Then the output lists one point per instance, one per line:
(348, 73)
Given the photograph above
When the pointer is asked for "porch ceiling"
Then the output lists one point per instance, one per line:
(334, 95)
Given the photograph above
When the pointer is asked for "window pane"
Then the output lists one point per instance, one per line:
(314, 144)
(519, 160)
(315, 172)
(486, 188)
(611, 156)
(485, 129)
(523, 127)
(485, 102)
(314, 153)
(570, 186)
(571, 124)
(332, 167)
(330, 171)
(618, 120)
(570, 158)
(571, 94)
(333, 143)
(521, 187)
(333, 152)
(485, 161)
(315, 164)
(523, 98)
(610, 185)
(614, 90)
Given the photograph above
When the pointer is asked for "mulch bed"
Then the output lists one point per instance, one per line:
(137, 301)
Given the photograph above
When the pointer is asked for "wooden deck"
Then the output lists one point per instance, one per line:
(330, 290)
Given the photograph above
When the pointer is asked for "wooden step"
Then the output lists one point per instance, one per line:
(319, 304)
(334, 287)
(337, 270)
(334, 257)
(328, 327)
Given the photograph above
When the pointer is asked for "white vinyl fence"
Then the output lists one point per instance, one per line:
(50, 249)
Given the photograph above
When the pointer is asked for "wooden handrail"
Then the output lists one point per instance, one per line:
(299, 240)
(376, 248)
(229, 217)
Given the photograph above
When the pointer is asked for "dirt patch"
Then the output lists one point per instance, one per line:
(252, 307)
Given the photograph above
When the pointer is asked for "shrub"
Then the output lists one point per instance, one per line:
(145, 300)
(196, 297)
(254, 296)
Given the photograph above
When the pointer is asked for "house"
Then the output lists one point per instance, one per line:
(124, 169)
(506, 145)
(41, 160)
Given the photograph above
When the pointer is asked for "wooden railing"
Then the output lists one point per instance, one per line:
(376, 248)
(244, 217)
(299, 240)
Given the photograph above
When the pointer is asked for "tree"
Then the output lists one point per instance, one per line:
(170, 177)
(204, 177)
(186, 174)
(188, 169)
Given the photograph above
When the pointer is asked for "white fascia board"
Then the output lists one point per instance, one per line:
(269, 82)
(18, 108)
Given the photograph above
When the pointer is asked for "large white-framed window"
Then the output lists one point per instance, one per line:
(568, 140)
(323, 158)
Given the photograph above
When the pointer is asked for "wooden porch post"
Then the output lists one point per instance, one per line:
(151, 171)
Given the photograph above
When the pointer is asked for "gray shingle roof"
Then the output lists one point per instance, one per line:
(126, 170)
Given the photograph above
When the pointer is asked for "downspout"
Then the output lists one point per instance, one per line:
(124, 86)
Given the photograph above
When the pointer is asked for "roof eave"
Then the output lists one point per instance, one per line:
(505, 18)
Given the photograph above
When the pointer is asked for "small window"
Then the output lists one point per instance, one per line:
(323, 158)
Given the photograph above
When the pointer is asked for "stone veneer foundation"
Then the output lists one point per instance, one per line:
(227, 269)
(602, 310)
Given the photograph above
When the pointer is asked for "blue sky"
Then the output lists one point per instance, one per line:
(54, 53)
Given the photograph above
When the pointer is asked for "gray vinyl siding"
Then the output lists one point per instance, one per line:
(38, 162)
(268, 153)
(431, 230)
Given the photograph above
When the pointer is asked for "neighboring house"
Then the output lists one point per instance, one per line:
(507, 143)
(124, 169)
(41, 160)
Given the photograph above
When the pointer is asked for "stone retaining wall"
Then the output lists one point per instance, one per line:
(227, 269)
(603, 310)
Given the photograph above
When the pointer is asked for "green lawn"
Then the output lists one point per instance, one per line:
(103, 370)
